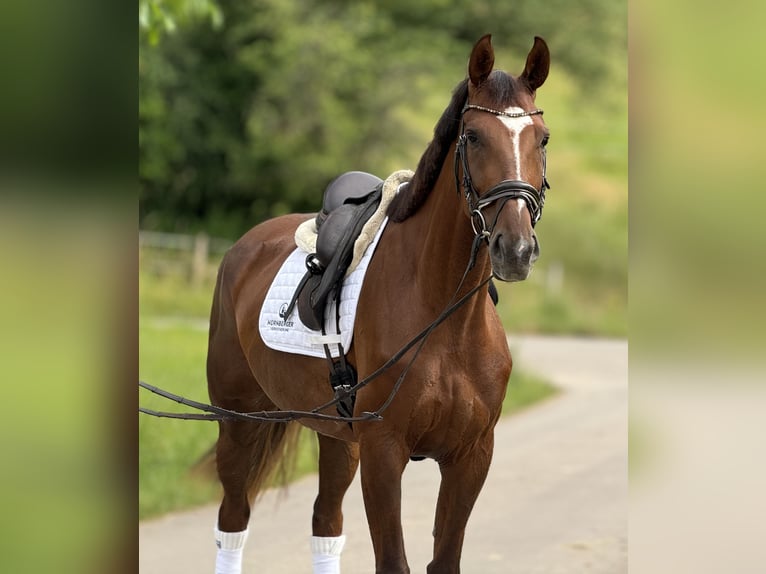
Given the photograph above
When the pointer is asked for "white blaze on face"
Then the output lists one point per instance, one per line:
(515, 127)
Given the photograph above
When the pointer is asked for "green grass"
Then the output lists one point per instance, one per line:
(172, 357)
(525, 390)
(164, 288)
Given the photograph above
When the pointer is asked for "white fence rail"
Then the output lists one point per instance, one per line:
(191, 254)
(179, 242)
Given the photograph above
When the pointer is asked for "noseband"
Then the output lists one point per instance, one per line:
(505, 190)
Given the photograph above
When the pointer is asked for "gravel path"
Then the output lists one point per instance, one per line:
(555, 500)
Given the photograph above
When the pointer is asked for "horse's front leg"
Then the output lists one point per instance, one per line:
(383, 460)
(462, 480)
(338, 461)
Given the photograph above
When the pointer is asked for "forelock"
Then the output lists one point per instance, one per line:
(502, 89)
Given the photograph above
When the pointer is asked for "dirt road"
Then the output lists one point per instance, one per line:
(555, 501)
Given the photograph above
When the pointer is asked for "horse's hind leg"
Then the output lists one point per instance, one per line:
(246, 452)
(245, 456)
(461, 483)
(338, 461)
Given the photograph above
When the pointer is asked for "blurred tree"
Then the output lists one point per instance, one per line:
(251, 117)
(158, 17)
(584, 35)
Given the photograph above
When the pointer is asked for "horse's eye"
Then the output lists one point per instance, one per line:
(546, 137)
(472, 137)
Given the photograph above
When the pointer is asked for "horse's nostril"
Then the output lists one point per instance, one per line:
(524, 251)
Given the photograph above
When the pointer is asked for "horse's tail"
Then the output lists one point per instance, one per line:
(249, 455)
(273, 454)
(205, 466)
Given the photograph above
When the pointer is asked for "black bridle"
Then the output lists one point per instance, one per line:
(505, 190)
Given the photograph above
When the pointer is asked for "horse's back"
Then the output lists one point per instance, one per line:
(249, 267)
(265, 246)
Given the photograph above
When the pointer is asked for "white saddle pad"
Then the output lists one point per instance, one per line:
(292, 336)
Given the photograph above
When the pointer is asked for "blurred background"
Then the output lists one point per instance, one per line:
(248, 110)
(217, 79)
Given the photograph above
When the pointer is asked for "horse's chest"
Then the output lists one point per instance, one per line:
(455, 407)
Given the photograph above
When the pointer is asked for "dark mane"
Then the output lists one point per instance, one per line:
(409, 201)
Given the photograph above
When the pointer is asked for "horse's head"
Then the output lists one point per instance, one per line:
(501, 154)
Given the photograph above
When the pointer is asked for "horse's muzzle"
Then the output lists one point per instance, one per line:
(512, 260)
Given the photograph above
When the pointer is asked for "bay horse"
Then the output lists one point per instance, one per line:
(488, 145)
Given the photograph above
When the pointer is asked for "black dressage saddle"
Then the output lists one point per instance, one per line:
(348, 203)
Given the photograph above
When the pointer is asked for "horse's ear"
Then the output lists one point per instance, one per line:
(538, 64)
(482, 60)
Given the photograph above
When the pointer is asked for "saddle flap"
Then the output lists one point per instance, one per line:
(312, 316)
(334, 251)
(330, 236)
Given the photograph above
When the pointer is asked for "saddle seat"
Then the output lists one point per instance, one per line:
(348, 202)
(350, 187)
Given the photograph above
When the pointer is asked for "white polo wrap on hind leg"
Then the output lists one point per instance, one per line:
(230, 548)
(325, 553)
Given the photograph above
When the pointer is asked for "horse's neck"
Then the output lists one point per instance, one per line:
(442, 236)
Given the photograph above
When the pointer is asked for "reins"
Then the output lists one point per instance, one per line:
(218, 413)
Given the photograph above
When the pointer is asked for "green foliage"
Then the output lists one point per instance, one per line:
(158, 17)
(251, 118)
(585, 36)
(579, 284)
